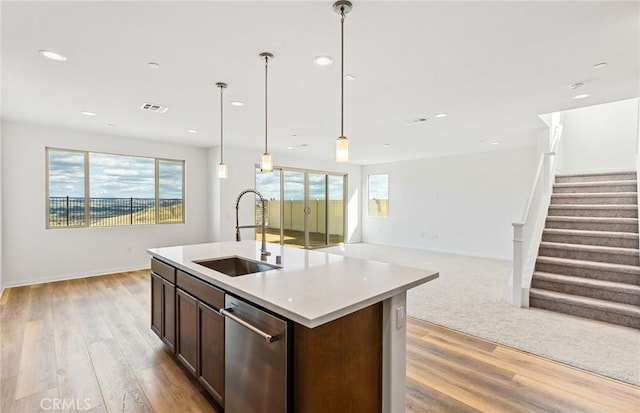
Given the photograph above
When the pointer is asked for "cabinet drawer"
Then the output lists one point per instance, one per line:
(164, 270)
(204, 292)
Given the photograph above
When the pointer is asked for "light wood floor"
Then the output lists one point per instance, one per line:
(86, 345)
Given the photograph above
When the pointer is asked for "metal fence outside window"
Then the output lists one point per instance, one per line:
(70, 211)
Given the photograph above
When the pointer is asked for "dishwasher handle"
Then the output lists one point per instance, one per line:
(228, 312)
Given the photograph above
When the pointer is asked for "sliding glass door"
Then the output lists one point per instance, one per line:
(307, 209)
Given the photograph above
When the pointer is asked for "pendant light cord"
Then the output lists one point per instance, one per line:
(221, 127)
(342, 72)
(266, 64)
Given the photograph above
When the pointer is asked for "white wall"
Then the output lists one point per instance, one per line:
(1, 281)
(462, 204)
(32, 253)
(240, 164)
(601, 137)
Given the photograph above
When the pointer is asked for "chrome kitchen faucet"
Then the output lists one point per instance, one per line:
(263, 250)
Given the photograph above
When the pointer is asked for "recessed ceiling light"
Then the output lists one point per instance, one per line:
(192, 131)
(289, 147)
(350, 77)
(88, 113)
(582, 96)
(441, 115)
(495, 143)
(387, 144)
(599, 65)
(323, 60)
(53, 55)
(154, 65)
(576, 86)
(237, 103)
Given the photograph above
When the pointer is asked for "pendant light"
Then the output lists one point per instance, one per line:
(222, 168)
(342, 7)
(266, 164)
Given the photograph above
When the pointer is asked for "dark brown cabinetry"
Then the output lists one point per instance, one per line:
(184, 312)
(211, 351)
(163, 302)
(187, 327)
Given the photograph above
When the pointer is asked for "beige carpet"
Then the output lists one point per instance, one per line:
(470, 296)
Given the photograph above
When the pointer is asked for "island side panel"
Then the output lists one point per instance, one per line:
(338, 365)
(394, 357)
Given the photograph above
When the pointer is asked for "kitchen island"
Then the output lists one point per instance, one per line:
(342, 326)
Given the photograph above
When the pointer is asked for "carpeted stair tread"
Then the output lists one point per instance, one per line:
(597, 206)
(588, 282)
(630, 207)
(628, 269)
(594, 194)
(594, 187)
(607, 220)
(590, 198)
(595, 176)
(594, 210)
(590, 248)
(592, 183)
(586, 302)
(611, 224)
(586, 233)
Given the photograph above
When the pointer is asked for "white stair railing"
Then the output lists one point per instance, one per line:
(527, 233)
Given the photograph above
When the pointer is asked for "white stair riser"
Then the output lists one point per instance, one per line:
(608, 257)
(624, 176)
(586, 240)
(593, 226)
(563, 199)
(593, 273)
(592, 313)
(630, 187)
(554, 211)
(586, 291)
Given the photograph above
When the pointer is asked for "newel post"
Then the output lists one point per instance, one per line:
(518, 261)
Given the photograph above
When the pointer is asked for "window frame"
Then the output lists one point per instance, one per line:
(369, 195)
(87, 189)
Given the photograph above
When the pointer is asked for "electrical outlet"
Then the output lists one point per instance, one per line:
(400, 317)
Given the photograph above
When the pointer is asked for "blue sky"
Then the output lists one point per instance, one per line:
(379, 186)
(112, 176)
(268, 184)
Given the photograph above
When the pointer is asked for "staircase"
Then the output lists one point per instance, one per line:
(588, 263)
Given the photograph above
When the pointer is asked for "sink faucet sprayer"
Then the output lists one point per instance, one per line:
(263, 250)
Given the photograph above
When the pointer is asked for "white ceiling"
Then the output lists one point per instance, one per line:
(492, 66)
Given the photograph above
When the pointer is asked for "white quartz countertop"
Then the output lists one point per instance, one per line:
(311, 287)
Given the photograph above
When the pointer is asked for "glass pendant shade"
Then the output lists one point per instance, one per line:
(222, 171)
(342, 149)
(266, 165)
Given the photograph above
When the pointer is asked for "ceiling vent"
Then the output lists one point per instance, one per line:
(153, 107)
(417, 120)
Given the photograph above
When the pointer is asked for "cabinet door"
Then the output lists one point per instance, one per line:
(187, 330)
(168, 314)
(156, 304)
(211, 351)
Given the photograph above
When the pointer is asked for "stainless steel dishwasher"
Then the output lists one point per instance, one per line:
(256, 360)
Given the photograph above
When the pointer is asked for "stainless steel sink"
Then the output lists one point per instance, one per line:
(236, 266)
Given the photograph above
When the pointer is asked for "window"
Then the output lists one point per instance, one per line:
(378, 202)
(305, 208)
(100, 189)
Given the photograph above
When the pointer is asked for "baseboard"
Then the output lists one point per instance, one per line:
(72, 277)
